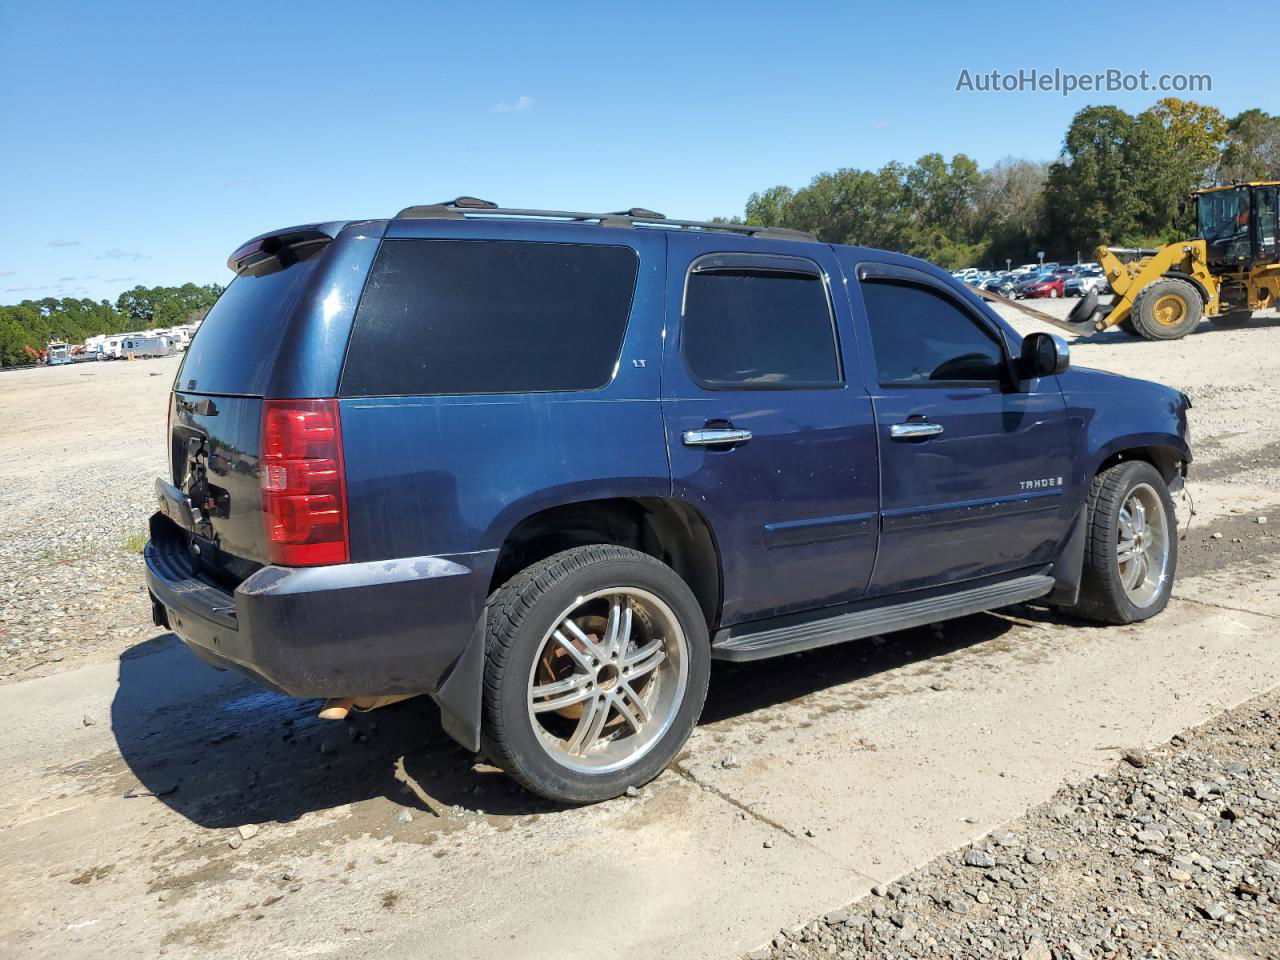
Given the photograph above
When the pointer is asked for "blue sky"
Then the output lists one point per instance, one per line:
(143, 142)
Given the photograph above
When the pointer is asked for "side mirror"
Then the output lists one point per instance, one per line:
(1043, 355)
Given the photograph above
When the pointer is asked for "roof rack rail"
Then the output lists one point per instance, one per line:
(472, 208)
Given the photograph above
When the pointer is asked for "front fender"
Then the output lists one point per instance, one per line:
(1169, 449)
(1110, 414)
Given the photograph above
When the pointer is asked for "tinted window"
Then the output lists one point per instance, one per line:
(920, 335)
(234, 348)
(489, 316)
(758, 330)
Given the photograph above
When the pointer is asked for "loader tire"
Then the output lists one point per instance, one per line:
(1168, 309)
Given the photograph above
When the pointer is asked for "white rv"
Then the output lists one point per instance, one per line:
(137, 345)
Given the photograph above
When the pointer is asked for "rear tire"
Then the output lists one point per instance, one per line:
(1131, 549)
(1168, 309)
(596, 670)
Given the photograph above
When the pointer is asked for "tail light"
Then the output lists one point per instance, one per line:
(304, 486)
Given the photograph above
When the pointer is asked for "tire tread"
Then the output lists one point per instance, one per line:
(1102, 596)
(1165, 285)
(505, 614)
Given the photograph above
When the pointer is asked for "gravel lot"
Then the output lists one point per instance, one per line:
(80, 448)
(155, 806)
(1175, 853)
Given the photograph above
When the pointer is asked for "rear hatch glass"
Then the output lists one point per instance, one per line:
(233, 351)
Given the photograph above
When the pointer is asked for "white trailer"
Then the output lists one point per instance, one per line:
(141, 346)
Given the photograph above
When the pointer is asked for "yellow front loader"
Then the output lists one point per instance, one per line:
(1230, 270)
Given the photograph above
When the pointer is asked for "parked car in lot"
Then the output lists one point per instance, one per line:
(1083, 282)
(1025, 282)
(1004, 284)
(546, 467)
(1046, 285)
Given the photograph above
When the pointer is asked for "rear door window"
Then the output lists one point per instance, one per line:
(758, 329)
(235, 347)
(490, 316)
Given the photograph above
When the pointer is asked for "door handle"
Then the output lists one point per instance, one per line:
(714, 436)
(914, 429)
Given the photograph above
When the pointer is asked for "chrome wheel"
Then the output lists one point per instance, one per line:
(608, 680)
(1142, 545)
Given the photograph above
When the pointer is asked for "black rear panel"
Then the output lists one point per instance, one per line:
(213, 455)
(216, 420)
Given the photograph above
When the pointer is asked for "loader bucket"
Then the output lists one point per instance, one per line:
(1086, 310)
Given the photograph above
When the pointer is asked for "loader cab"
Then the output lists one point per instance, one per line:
(1240, 224)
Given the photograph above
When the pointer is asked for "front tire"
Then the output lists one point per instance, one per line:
(596, 670)
(1167, 309)
(1131, 551)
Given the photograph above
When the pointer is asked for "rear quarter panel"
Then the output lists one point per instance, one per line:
(431, 475)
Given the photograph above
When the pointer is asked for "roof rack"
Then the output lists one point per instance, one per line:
(464, 208)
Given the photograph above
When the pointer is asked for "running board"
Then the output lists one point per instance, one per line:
(810, 634)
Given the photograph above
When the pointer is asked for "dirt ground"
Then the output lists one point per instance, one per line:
(154, 806)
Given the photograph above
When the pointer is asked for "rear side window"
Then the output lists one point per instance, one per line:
(233, 350)
(489, 316)
(922, 336)
(758, 330)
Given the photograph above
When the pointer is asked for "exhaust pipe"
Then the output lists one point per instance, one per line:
(337, 708)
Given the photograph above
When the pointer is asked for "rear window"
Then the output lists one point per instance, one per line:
(233, 350)
(489, 316)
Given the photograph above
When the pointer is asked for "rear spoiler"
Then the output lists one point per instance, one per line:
(282, 243)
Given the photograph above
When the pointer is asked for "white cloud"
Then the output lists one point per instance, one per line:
(521, 105)
(117, 254)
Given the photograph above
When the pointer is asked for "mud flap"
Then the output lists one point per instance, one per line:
(460, 695)
(1068, 569)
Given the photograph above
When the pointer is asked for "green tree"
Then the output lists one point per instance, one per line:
(32, 322)
(926, 209)
(1252, 149)
(1090, 194)
(1194, 135)
(768, 209)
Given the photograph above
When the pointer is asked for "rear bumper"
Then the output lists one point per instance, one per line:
(358, 629)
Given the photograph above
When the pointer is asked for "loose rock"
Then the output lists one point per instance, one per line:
(1169, 854)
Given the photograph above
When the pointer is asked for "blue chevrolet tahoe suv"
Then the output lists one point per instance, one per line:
(546, 466)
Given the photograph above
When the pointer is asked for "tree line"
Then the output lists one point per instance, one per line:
(28, 326)
(1119, 179)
